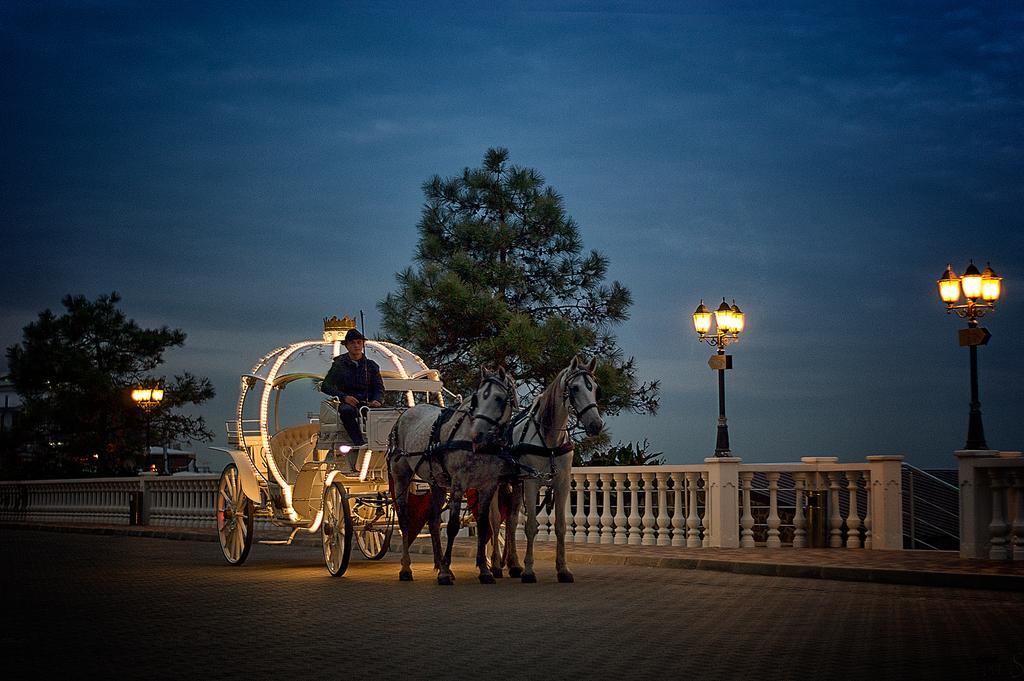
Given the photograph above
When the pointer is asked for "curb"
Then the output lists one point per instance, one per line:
(466, 550)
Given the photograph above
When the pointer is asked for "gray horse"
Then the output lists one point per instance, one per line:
(540, 439)
(447, 450)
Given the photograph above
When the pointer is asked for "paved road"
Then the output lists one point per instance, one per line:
(155, 608)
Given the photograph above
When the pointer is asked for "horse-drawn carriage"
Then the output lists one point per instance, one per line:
(292, 475)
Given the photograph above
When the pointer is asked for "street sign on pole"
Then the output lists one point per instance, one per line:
(974, 336)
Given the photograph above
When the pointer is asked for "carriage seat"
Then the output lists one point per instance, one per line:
(292, 447)
(332, 432)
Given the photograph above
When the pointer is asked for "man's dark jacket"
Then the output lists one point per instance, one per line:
(359, 379)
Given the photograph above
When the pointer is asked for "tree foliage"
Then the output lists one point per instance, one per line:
(74, 373)
(500, 277)
(632, 454)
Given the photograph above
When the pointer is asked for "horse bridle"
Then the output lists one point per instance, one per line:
(490, 380)
(588, 376)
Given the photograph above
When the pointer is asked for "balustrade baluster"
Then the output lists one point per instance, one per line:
(747, 520)
(1018, 515)
(692, 522)
(867, 510)
(607, 529)
(635, 530)
(853, 518)
(649, 521)
(678, 517)
(593, 531)
(664, 521)
(774, 521)
(799, 521)
(997, 528)
(619, 536)
(543, 517)
(705, 520)
(579, 518)
(835, 539)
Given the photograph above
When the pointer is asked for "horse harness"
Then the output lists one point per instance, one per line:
(436, 448)
(521, 448)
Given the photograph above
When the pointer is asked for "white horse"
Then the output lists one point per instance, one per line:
(540, 440)
(442, 449)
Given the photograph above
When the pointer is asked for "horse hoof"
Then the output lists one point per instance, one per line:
(445, 581)
(529, 578)
(405, 576)
(515, 572)
(565, 577)
(497, 573)
(487, 579)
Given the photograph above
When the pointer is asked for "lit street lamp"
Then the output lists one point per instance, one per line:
(148, 400)
(981, 291)
(730, 322)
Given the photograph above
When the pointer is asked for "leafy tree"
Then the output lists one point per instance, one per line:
(75, 372)
(632, 454)
(500, 277)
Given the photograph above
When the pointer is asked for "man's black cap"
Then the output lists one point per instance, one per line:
(353, 334)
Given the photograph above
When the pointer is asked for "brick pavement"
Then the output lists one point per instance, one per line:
(924, 568)
(88, 605)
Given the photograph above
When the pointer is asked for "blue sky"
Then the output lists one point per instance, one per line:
(221, 165)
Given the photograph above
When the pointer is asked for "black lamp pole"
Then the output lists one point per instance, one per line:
(975, 430)
(722, 443)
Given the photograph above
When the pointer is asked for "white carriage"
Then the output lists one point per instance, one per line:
(292, 475)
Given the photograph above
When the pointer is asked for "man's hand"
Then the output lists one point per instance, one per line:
(351, 401)
(374, 403)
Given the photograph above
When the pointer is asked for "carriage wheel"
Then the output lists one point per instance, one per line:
(336, 530)
(234, 517)
(375, 523)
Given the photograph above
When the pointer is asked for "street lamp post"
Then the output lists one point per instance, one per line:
(148, 400)
(729, 321)
(981, 290)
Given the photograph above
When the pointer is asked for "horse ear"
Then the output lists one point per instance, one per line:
(501, 371)
(574, 363)
(592, 365)
(483, 371)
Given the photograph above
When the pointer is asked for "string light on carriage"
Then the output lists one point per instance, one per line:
(729, 321)
(980, 290)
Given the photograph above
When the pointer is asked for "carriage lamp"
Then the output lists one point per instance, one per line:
(730, 322)
(148, 399)
(980, 290)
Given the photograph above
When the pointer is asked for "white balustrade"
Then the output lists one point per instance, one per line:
(712, 504)
(991, 504)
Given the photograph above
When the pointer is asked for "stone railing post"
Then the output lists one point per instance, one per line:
(975, 503)
(885, 501)
(723, 502)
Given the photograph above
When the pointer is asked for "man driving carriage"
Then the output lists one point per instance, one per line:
(355, 380)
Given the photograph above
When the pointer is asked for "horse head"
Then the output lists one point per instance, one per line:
(492, 404)
(581, 391)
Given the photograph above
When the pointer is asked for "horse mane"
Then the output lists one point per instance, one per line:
(547, 401)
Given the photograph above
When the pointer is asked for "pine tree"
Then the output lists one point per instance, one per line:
(500, 277)
(75, 372)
